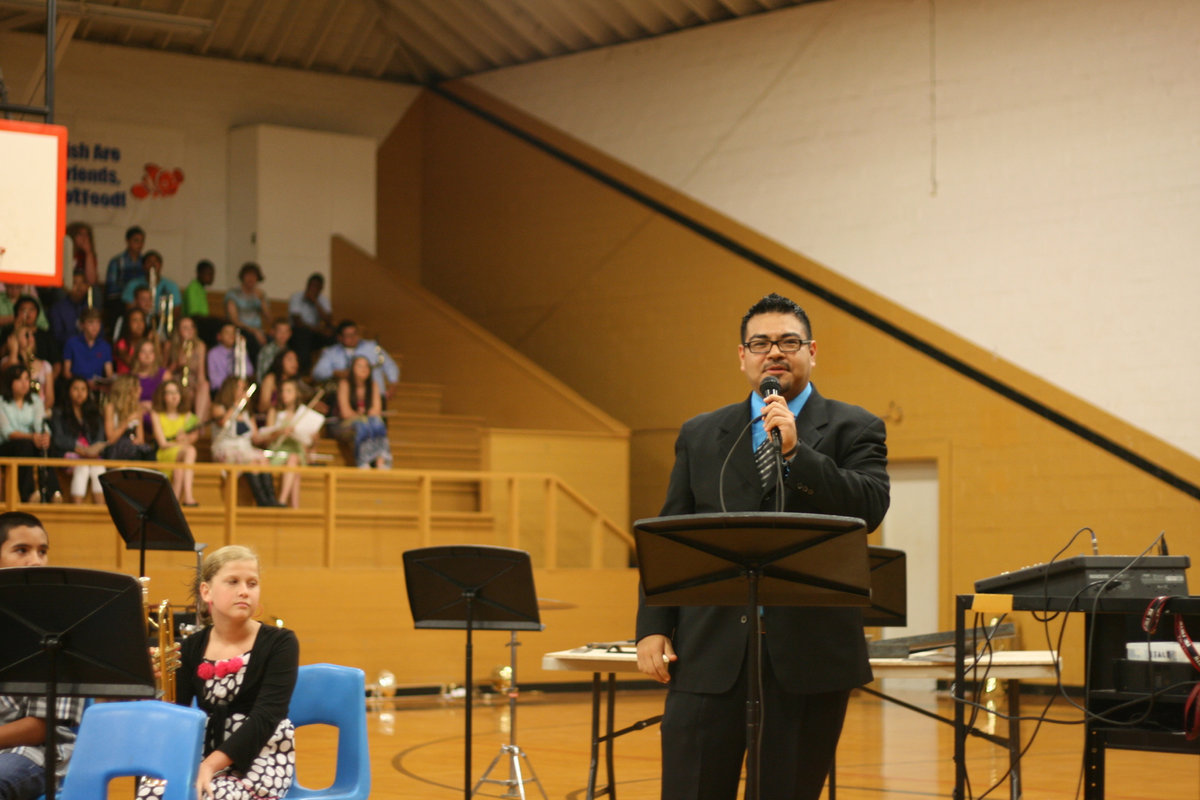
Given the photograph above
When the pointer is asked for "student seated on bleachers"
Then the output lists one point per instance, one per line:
(27, 313)
(186, 358)
(286, 366)
(290, 444)
(246, 306)
(132, 329)
(123, 268)
(236, 440)
(334, 362)
(24, 543)
(68, 310)
(222, 358)
(195, 303)
(21, 348)
(78, 433)
(175, 433)
(361, 424)
(281, 334)
(123, 430)
(87, 354)
(312, 319)
(25, 434)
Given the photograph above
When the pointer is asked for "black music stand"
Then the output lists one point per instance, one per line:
(753, 559)
(72, 632)
(144, 508)
(469, 587)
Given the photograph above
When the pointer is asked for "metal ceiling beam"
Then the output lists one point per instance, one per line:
(702, 9)
(356, 47)
(128, 35)
(43, 73)
(166, 38)
(212, 32)
(386, 57)
(281, 36)
(512, 41)
(596, 28)
(130, 16)
(323, 29)
(675, 12)
(260, 10)
(536, 27)
(643, 15)
(421, 39)
(487, 45)
(20, 20)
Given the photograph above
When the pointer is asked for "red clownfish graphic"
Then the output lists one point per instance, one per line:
(158, 182)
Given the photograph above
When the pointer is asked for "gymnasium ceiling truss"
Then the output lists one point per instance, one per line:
(405, 41)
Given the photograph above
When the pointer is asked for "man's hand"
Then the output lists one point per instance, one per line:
(777, 416)
(654, 654)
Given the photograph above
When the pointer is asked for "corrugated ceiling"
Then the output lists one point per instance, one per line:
(408, 41)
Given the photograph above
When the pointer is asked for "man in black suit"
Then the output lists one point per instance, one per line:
(835, 462)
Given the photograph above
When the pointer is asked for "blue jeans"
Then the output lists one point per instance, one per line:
(20, 778)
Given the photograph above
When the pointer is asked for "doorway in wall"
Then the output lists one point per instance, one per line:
(911, 525)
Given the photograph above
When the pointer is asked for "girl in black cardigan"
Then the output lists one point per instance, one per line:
(241, 673)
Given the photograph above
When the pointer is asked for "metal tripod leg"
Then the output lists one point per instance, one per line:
(516, 779)
(515, 785)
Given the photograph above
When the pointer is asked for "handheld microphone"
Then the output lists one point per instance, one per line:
(768, 386)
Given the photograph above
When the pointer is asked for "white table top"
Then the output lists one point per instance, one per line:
(1004, 664)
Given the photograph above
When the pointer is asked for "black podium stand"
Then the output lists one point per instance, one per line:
(470, 587)
(71, 632)
(144, 508)
(753, 559)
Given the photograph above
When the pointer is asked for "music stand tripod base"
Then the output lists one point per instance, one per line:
(515, 785)
(516, 779)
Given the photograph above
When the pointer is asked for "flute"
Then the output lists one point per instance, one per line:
(306, 407)
(241, 406)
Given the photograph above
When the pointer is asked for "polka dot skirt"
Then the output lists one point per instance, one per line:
(271, 772)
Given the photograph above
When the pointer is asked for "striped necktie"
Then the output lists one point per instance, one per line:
(764, 459)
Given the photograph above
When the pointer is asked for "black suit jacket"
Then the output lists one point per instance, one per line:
(840, 468)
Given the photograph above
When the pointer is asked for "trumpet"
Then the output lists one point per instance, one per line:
(166, 654)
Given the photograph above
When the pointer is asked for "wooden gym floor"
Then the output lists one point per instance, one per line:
(886, 752)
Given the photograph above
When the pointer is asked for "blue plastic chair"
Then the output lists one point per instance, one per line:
(329, 694)
(147, 737)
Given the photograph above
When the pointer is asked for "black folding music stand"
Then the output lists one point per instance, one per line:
(144, 508)
(72, 632)
(753, 559)
(470, 587)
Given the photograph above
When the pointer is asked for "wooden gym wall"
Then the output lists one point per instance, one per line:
(631, 293)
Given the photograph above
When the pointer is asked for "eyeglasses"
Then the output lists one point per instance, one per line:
(788, 344)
